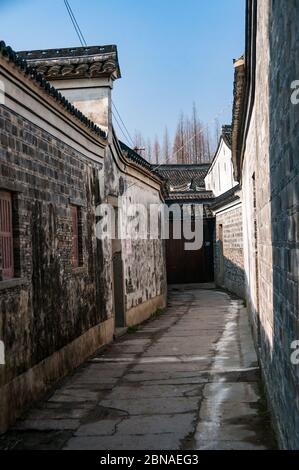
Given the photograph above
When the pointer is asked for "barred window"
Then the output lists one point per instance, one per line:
(6, 235)
(75, 236)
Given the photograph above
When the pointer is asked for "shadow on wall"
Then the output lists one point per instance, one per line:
(275, 348)
(228, 274)
(282, 375)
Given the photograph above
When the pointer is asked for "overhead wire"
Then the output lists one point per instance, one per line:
(75, 23)
(119, 121)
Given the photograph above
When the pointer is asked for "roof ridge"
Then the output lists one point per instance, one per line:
(183, 165)
(72, 51)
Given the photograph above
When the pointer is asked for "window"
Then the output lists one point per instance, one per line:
(6, 235)
(77, 241)
(75, 236)
(221, 233)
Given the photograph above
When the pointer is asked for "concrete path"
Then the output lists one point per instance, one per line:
(187, 379)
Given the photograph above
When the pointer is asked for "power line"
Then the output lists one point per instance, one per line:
(120, 128)
(83, 42)
(128, 133)
(125, 132)
(173, 155)
(75, 24)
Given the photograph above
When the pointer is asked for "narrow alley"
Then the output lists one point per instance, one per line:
(187, 379)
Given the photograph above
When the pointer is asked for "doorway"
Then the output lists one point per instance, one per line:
(188, 267)
(118, 278)
(221, 255)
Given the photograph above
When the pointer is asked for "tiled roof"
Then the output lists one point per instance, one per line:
(136, 158)
(207, 212)
(227, 135)
(182, 176)
(225, 198)
(240, 97)
(32, 73)
(75, 62)
(190, 196)
(130, 153)
(67, 52)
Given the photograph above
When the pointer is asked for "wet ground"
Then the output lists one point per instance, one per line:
(187, 379)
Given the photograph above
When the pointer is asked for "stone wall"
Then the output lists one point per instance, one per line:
(49, 303)
(270, 180)
(228, 252)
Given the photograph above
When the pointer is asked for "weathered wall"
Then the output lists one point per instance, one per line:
(52, 315)
(92, 97)
(220, 176)
(271, 248)
(228, 249)
(143, 260)
(228, 252)
(50, 303)
(144, 280)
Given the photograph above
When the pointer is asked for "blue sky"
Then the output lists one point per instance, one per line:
(171, 52)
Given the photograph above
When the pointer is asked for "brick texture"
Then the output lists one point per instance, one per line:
(228, 252)
(53, 304)
(272, 253)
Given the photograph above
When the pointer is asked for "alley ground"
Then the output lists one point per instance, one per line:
(186, 379)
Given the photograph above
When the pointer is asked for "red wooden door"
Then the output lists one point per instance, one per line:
(184, 267)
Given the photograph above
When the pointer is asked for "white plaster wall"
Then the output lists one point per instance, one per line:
(91, 97)
(143, 259)
(144, 262)
(220, 176)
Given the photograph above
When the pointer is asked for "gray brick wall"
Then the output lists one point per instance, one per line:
(51, 304)
(272, 273)
(284, 186)
(229, 271)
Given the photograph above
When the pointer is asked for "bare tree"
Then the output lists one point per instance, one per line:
(217, 131)
(179, 141)
(149, 151)
(190, 139)
(137, 139)
(199, 142)
(196, 143)
(166, 147)
(192, 142)
(207, 146)
(156, 151)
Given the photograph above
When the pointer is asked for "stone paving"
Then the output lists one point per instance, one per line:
(186, 379)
